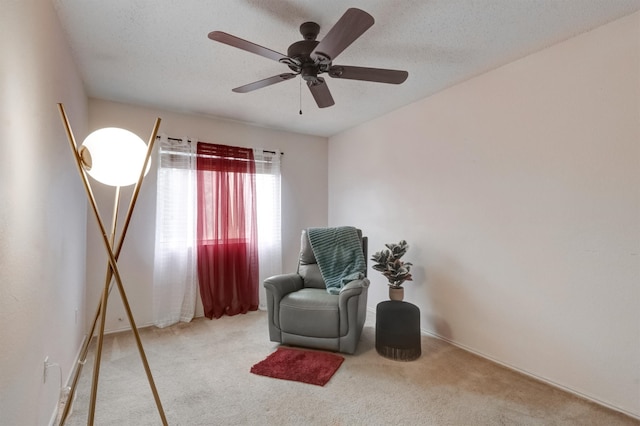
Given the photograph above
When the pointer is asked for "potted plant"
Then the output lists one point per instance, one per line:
(395, 270)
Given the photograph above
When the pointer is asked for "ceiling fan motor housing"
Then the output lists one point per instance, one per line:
(300, 52)
(302, 49)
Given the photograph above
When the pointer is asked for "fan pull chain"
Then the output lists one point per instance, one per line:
(300, 96)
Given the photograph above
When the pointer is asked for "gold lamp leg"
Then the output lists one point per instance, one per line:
(113, 267)
(103, 316)
(85, 348)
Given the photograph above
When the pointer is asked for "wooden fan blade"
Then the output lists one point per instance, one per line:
(349, 27)
(239, 43)
(378, 75)
(264, 83)
(321, 93)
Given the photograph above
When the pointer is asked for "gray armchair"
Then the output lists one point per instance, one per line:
(302, 313)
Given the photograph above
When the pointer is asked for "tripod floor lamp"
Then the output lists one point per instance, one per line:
(115, 157)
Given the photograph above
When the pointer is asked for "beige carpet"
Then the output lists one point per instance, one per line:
(202, 373)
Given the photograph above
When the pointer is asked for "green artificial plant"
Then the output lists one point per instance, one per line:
(388, 262)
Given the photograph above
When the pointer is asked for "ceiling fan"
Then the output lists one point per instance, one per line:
(309, 58)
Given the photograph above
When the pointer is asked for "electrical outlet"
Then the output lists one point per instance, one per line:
(44, 371)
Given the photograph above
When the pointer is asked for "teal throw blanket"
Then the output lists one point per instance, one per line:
(338, 252)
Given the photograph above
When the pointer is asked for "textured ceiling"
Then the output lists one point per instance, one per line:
(156, 53)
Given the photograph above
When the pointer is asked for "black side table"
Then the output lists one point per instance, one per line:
(398, 330)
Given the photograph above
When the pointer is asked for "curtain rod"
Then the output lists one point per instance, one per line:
(189, 140)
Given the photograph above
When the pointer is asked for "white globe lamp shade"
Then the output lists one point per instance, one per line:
(114, 156)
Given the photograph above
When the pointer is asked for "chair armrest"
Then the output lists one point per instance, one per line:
(354, 288)
(276, 288)
(352, 302)
(281, 285)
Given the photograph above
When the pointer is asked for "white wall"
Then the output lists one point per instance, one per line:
(304, 198)
(42, 213)
(519, 192)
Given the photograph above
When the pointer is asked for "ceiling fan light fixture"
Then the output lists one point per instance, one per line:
(309, 72)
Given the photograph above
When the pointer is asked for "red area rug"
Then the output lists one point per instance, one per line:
(299, 365)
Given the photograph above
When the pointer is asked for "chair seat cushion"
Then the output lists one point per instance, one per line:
(310, 312)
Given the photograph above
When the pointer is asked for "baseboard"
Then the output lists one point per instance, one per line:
(126, 327)
(521, 371)
(67, 383)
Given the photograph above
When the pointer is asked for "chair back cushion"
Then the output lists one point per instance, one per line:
(308, 265)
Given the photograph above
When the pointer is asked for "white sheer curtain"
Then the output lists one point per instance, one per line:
(175, 279)
(269, 230)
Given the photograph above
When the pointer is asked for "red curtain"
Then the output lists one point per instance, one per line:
(227, 237)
